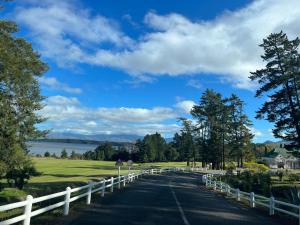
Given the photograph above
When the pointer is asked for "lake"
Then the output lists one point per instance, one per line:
(57, 147)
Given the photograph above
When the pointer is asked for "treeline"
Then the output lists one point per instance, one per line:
(219, 132)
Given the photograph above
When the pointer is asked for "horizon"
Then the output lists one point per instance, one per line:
(114, 70)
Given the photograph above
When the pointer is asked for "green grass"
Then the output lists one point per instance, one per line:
(57, 174)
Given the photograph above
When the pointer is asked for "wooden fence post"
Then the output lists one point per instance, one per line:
(299, 214)
(27, 210)
(103, 188)
(228, 190)
(238, 194)
(119, 182)
(124, 181)
(67, 201)
(252, 199)
(271, 207)
(112, 184)
(89, 193)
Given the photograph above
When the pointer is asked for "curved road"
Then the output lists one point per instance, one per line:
(169, 199)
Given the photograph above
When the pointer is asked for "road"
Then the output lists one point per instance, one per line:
(170, 199)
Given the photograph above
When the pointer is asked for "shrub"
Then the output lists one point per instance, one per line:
(293, 177)
(20, 171)
(47, 154)
(280, 174)
(256, 167)
(229, 168)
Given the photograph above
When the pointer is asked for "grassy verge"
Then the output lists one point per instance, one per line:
(57, 174)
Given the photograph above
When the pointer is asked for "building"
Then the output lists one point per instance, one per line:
(281, 158)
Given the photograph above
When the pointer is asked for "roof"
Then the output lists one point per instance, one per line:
(278, 151)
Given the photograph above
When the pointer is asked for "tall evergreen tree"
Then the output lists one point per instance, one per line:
(209, 116)
(281, 80)
(20, 98)
(239, 134)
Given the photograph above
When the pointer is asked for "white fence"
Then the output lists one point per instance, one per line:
(69, 196)
(254, 199)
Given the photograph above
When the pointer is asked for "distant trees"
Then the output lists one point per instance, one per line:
(102, 152)
(183, 143)
(64, 154)
(153, 148)
(280, 79)
(47, 154)
(20, 99)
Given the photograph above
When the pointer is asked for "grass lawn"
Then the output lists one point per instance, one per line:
(57, 174)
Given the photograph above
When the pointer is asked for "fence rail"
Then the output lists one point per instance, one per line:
(254, 199)
(30, 211)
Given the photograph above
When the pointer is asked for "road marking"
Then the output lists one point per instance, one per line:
(185, 221)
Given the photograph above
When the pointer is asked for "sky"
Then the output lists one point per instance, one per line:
(135, 67)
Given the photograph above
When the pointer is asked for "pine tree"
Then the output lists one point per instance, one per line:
(209, 116)
(280, 79)
(239, 134)
(64, 154)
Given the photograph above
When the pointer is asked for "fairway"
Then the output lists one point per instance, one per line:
(65, 170)
(57, 174)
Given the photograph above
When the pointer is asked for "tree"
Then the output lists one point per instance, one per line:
(64, 154)
(222, 129)
(152, 148)
(19, 173)
(20, 98)
(239, 134)
(183, 144)
(209, 117)
(280, 79)
(171, 154)
(47, 154)
(75, 155)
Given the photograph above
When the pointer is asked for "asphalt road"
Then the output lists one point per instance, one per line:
(170, 199)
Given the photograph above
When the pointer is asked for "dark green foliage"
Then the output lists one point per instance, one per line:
(102, 152)
(20, 99)
(75, 155)
(280, 79)
(222, 130)
(18, 173)
(280, 174)
(47, 154)
(293, 177)
(185, 144)
(248, 181)
(64, 154)
(153, 148)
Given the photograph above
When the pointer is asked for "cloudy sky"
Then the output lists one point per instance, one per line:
(134, 67)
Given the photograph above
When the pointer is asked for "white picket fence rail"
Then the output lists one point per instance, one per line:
(30, 211)
(254, 199)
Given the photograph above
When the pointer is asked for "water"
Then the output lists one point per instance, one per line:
(57, 147)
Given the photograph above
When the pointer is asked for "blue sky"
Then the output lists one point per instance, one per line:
(134, 67)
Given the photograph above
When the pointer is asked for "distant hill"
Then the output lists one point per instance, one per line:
(95, 137)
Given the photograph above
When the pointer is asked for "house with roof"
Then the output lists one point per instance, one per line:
(279, 157)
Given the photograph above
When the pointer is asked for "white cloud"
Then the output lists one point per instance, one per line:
(67, 114)
(53, 83)
(185, 105)
(226, 46)
(257, 133)
(66, 33)
(195, 84)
